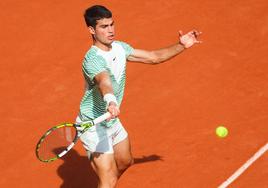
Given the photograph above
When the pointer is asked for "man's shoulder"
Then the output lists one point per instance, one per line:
(92, 56)
(91, 53)
(124, 46)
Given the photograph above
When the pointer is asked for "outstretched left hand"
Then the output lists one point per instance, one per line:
(190, 38)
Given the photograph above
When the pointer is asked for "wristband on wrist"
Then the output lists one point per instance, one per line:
(109, 98)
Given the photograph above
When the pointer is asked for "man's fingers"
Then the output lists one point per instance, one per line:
(190, 38)
(114, 111)
(196, 33)
(198, 41)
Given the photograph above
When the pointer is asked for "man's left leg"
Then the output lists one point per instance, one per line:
(123, 156)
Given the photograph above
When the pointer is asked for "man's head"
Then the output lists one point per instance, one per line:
(100, 23)
(95, 13)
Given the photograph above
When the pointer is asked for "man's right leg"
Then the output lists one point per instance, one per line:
(105, 167)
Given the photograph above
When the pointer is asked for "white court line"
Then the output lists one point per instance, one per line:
(245, 166)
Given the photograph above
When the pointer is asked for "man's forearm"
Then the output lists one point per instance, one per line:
(104, 83)
(168, 52)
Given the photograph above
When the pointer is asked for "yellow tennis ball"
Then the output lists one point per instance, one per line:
(221, 131)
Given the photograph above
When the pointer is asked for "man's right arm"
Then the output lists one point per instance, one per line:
(105, 86)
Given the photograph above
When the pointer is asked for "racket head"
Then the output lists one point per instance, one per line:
(56, 142)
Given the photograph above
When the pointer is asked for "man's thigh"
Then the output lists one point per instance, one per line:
(104, 164)
(122, 153)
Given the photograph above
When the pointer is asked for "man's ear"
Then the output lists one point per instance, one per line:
(91, 30)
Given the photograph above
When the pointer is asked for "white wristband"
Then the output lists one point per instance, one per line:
(109, 98)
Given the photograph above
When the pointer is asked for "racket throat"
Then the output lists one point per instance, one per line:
(66, 150)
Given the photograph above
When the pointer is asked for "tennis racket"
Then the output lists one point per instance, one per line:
(58, 140)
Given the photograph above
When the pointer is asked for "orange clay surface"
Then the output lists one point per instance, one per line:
(170, 110)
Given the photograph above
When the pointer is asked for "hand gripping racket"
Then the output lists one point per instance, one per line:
(58, 140)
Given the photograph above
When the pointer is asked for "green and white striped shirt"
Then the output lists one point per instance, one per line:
(95, 62)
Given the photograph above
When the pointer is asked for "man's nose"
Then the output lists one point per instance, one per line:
(110, 29)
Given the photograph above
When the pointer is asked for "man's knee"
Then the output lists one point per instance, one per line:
(125, 164)
(106, 169)
(108, 178)
(109, 181)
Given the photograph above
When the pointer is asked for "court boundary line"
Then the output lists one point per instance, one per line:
(249, 162)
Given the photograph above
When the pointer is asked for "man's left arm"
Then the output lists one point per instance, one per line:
(161, 55)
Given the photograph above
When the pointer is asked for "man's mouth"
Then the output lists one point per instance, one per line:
(111, 37)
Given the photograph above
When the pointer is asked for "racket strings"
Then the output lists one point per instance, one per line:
(56, 142)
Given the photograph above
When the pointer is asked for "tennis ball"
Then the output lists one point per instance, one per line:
(221, 131)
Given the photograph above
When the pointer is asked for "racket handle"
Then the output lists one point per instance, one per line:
(102, 118)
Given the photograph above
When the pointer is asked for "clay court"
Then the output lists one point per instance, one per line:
(170, 110)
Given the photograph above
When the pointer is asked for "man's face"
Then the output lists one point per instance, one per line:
(104, 31)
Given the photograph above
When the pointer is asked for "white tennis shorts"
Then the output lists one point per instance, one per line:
(101, 139)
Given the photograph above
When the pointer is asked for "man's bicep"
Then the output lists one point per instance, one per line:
(144, 56)
(104, 82)
(102, 77)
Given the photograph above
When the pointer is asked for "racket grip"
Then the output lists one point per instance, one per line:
(102, 118)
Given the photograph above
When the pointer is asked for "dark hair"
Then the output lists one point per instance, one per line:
(94, 13)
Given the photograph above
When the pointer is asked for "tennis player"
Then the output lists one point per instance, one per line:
(104, 70)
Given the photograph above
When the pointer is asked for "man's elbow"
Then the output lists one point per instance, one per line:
(156, 61)
(155, 58)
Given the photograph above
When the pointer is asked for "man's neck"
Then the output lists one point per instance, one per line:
(104, 47)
